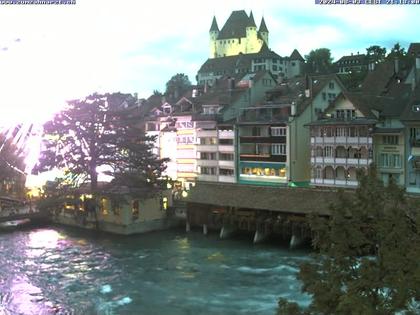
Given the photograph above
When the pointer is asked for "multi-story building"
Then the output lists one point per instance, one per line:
(352, 63)
(262, 148)
(342, 143)
(216, 112)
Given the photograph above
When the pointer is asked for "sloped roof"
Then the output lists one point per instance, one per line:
(414, 49)
(251, 22)
(228, 64)
(235, 26)
(214, 27)
(263, 27)
(376, 81)
(409, 114)
(360, 59)
(296, 56)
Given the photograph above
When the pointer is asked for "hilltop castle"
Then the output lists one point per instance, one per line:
(238, 35)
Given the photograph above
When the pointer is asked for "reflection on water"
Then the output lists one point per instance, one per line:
(57, 271)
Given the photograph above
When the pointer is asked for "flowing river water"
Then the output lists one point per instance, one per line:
(57, 270)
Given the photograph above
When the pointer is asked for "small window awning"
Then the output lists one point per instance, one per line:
(387, 131)
(206, 124)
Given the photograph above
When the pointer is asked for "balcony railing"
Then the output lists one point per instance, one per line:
(341, 140)
(334, 182)
(341, 161)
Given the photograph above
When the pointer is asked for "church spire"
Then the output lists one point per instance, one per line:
(263, 27)
(214, 27)
(251, 22)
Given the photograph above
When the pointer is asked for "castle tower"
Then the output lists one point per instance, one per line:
(263, 31)
(214, 33)
(251, 35)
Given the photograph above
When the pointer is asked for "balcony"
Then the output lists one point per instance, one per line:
(207, 147)
(207, 134)
(341, 140)
(334, 182)
(226, 134)
(228, 164)
(226, 148)
(207, 162)
(341, 161)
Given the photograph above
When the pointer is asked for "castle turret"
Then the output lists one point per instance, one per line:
(251, 34)
(263, 31)
(214, 33)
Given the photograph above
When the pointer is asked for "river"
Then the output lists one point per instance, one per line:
(57, 270)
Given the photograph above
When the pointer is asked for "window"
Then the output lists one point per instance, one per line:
(256, 131)
(226, 141)
(387, 160)
(135, 210)
(208, 156)
(278, 131)
(331, 85)
(274, 67)
(207, 170)
(226, 156)
(324, 96)
(390, 140)
(341, 131)
(278, 149)
(207, 141)
(226, 172)
(328, 152)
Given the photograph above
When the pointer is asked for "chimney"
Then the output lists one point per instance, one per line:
(396, 65)
(293, 109)
(413, 83)
(371, 66)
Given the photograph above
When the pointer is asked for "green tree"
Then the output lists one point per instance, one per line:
(12, 166)
(177, 86)
(376, 54)
(368, 260)
(397, 52)
(319, 61)
(101, 133)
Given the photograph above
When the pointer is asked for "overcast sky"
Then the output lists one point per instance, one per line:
(49, 54)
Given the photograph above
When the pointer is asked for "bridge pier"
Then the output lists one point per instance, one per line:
(205, 229)
(260, 235)
(295, 241)
(227, 231)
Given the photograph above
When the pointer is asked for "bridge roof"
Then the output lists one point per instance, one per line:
(281, 199)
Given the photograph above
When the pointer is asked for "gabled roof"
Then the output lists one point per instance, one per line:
(235, 26)
(296, 56)
(214, 27)
(221, 94)
(263, 27)
(359, 59)
(293, 90)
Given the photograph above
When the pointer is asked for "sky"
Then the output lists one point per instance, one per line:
(53, 53)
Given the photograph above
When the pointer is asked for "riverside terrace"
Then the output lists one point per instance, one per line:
(263, 210)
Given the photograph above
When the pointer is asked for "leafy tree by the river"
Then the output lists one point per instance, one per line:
(101, 132)
(12, 166)
(319, 61)
(177, 86)
(369, 251)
